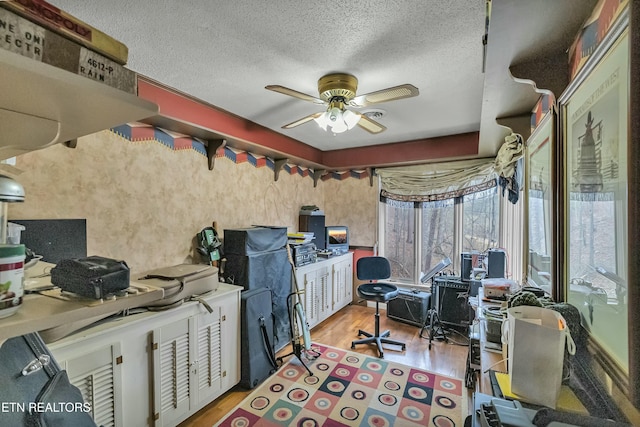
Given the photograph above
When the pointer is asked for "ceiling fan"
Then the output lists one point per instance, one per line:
(336, 92)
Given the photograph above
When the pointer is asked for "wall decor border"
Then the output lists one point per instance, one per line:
(593, 32)
(137, 132)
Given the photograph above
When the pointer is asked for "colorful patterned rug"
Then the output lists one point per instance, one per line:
(352, 389)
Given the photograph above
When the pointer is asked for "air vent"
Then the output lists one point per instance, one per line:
(374, 114)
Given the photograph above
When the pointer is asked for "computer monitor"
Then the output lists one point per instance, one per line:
(337, 239)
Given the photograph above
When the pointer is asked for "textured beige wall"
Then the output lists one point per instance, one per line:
(352, 202)
(144, 202)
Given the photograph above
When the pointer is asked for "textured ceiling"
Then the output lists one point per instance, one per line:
(225, 52)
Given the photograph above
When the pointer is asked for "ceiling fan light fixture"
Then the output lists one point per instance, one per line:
(339, 126)
(338, 90)
(351, 119)
(322, 121)
(337, 119)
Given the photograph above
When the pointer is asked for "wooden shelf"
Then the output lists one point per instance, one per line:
(39, 312)
(42, 105)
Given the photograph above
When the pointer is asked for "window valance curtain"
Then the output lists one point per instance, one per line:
(431, 182)
(441, 181)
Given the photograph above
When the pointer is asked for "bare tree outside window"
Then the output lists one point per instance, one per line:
(411, 252)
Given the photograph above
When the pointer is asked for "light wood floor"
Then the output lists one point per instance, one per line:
(447, 358)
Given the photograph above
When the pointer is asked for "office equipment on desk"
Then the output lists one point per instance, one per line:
(468, 262)
(337, 239)
(497, 288)
(304, 254)
(496, 263)
(308, 222)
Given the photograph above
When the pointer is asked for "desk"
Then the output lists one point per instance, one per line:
(491, 353)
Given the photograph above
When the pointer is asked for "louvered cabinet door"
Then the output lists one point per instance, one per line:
(310, 297)
(324, 293)
(98, 376)
(342, 284)
(172, 362)
(208, 371)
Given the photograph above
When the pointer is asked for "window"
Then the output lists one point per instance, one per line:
(438, 238)
(480, 219)
(415, 236)
(399, 242)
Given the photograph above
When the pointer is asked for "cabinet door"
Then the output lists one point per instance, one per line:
(98, 376)
(207, 366)
(325, 293)
(171, 371)
(311, 304)
(342, 284)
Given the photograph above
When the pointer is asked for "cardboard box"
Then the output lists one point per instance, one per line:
(58, 21)
(26, 38)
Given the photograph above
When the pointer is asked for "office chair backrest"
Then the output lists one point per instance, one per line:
(373, 268)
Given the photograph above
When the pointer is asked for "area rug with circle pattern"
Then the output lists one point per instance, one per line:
(351, 389)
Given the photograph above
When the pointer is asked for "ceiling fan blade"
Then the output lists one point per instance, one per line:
(370, 125)
(384, 95)
(294, 93)
(302, 120)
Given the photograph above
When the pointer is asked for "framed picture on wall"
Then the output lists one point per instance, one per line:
(538, 168)
(594, 117)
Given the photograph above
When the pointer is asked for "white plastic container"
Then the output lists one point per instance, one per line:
(14, 233)
(11, 278)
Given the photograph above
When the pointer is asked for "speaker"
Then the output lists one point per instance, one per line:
(409, 307)
(466, 266)
(314, 223)
(496, 263)
(452, 301)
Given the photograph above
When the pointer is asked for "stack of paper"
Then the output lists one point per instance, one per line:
(300, 237)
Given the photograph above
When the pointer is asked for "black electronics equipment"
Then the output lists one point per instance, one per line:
(496, 263)
(409, 307)
(466, 266)
(315, 224)
(304, 254)
(474, 285)
(451, 299)
(55, 239)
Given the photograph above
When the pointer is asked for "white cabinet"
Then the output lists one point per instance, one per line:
(187, 365)
(157, 368)
(326, 286)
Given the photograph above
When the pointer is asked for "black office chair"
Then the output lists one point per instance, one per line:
(373, 269)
